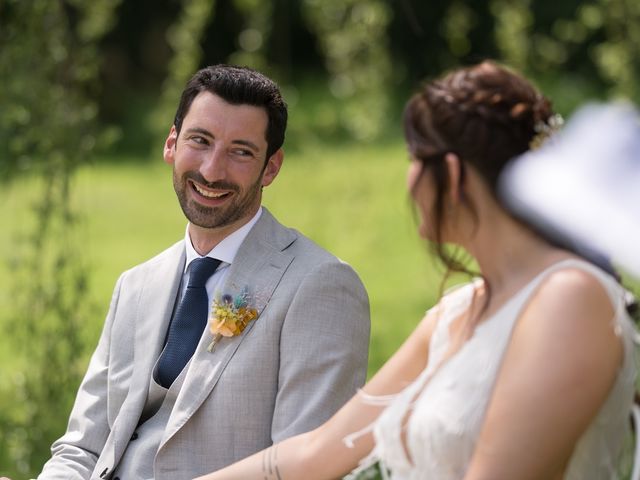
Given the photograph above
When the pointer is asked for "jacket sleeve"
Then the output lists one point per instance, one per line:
(74, 455)
(323, 349)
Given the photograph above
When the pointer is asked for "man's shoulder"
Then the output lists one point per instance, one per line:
(303, 247)
(169, 254)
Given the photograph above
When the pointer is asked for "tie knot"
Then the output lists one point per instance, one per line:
(201, 270)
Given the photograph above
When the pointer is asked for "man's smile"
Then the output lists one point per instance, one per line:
(210, 193)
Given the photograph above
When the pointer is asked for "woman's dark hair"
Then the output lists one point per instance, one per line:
(486, 114)
(239, 86)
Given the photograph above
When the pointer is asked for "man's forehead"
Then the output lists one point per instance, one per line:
(210, 111)
(209, 100)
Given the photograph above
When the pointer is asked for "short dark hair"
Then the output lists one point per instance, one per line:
(239, 86)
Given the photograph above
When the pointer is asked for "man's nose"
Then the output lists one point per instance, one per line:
(214, 165)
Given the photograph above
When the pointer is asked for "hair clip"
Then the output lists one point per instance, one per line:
(545, 130)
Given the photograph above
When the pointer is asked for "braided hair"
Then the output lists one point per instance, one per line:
(485, 114)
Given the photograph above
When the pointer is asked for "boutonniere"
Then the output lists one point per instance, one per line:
(230, 316)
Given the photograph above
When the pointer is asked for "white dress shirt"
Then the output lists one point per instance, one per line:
(225, 251)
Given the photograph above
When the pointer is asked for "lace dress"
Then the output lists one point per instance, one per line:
(449, 407)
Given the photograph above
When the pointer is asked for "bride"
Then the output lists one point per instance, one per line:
(526, 372)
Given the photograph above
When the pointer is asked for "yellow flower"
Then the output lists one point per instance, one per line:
(229, 317)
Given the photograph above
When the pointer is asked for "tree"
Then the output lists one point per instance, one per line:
(49, 63)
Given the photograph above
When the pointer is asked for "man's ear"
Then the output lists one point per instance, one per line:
(454, 174)
(272, 167)
(170, 146)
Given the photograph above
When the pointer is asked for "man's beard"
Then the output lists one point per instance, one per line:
(215, 217)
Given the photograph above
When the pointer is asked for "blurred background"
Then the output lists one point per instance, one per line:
(88, 90)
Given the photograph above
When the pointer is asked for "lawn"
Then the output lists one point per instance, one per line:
(350, 199)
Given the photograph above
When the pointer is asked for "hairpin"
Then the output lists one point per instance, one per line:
(545, 129)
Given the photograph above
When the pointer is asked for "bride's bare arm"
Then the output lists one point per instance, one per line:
(321, 453)
(558, 370)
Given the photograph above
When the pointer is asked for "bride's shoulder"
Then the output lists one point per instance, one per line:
(572, 306)
(576, 286)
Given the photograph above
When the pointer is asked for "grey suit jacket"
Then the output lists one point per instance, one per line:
(289, 371)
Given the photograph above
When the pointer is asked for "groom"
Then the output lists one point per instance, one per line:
(155, 402)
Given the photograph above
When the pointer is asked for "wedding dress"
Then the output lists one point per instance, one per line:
(444, 408)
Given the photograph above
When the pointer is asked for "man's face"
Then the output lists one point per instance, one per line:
(219, 162)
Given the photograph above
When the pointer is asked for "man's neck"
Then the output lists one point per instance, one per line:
(204, 240)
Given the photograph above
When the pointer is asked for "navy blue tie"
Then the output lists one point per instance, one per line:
(188, 322)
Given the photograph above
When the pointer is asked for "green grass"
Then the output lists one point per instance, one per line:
(350, 199)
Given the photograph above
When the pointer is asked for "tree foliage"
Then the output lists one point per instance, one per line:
(353, 39)
(53, 68)
(184, 37)
(49, 63)
(598, 38)
(253, 37)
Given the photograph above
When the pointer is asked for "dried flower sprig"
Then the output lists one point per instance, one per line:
(545, 130)
(230, 316)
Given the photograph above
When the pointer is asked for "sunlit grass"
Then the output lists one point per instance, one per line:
(349, 199)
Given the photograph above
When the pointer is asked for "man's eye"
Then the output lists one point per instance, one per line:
(199, 140)
(241, 152)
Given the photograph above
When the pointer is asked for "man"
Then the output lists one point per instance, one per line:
(156, 402)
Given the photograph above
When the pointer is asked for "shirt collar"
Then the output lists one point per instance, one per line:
(225, 250)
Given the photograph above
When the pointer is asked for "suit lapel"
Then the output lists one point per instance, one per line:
(152, 317)
(258, 267)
